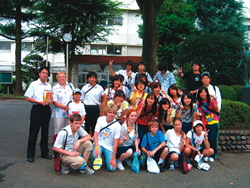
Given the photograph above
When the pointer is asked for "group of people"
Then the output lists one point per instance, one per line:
(137, 114)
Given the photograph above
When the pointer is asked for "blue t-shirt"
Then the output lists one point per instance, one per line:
(154, 141)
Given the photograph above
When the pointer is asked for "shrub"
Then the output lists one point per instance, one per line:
(227, 92)
(238, 89)
(234, 115)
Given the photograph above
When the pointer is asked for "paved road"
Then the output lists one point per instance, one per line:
(230, 170)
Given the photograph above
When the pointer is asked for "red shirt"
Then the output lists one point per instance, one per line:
(144, 119)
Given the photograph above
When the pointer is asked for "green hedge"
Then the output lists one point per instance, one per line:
(234, 115)
(238, 89)
(227, 92)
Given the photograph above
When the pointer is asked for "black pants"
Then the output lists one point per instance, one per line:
(39, 117)
(92, 114)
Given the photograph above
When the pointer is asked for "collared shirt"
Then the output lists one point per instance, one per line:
(36, 89)
(216, 94)
(71, 140)
(93, 96)
(62, 95)
(166, 80)
(127, 79)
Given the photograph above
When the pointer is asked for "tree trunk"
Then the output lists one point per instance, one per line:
(18, 89)
(149, 11)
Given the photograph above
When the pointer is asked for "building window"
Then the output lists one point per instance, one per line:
(98, 49)
(27, 46)
(115, 21)
(114, 50)
(5, 47)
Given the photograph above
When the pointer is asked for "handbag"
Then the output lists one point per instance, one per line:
(135, 164)
(152, 166)
(183, 162)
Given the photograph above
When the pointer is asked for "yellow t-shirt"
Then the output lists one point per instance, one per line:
(124, 106)
(138, 97)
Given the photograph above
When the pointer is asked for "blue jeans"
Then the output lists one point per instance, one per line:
(186, 127)
(108, 156)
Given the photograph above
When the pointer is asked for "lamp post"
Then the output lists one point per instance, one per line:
(67, 37)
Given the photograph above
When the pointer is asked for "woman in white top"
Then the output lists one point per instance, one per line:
(128, 142)
(175, 94)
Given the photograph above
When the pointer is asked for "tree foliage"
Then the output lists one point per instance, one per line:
(84, 20)
(220, 16)
(16, 12)
(175, 22)
(32, 62)
(220, 54)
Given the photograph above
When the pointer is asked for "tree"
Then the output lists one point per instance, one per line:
(15, 10)
(30, 68)
(84, 20)
(149, 10)
(175, 22)
(220, 16)
(220, 54)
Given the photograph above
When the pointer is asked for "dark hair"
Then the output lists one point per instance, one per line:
(197, 62)
(197, 125)
(140, 81)
(91, 73)
(129, 62)
(199, 97)
(143, 76)
(121, 76)
(141, 63)
(174, 87)
(44, 67)
(116, 77)
(162, 67)
(189, 95)
(154, 106)
(163, 102)
(75, 117)
(156, 84)
(119, 93)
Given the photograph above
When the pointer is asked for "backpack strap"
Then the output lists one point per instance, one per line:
(108, 125)
(214, 90)
(65, 139)
(89, 89)
(193, 138)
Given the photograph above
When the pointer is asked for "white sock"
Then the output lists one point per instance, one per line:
(160, 161)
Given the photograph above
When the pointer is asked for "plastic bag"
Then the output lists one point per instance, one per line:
(152, 166)
(135, 164)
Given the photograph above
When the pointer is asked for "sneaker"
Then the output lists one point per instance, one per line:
(171, 166)
(211, 159)
(120, 166)
(206, 159)
(162, 167)
(128, 162)
(65, 169)
(176, 164)
(88, 170)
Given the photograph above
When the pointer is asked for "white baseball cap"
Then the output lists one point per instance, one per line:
(197, 122)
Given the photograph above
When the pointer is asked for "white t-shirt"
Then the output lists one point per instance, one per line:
(126, 77)
(71, 140)
(198, 140)
(173, 141)
(93, 96)
(108, 135)
(76, 108)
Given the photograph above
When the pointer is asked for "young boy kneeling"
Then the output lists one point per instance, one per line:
(153, 144)
(198, 142)
(106, 137)
(72, 148)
